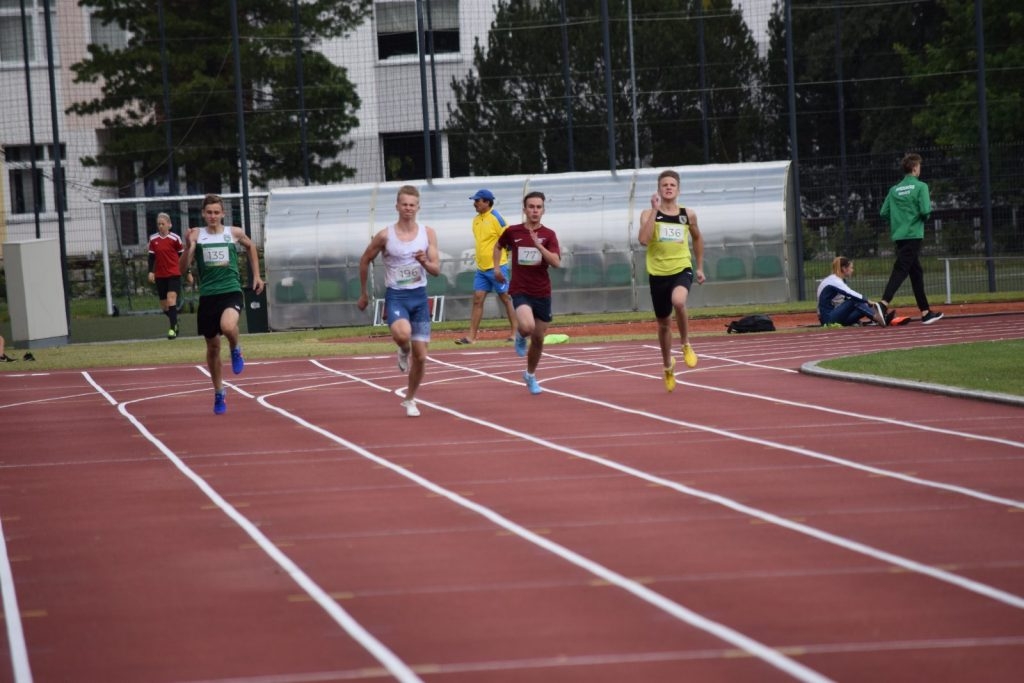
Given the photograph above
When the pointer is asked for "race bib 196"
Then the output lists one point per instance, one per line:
(407, 275)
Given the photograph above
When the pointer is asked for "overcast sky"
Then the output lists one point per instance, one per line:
(756, 13)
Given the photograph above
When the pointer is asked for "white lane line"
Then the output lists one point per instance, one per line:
(12, 617)
(378, 650)
(854, 546)
(799, 450)
(807, 406)
(50, 399)
(684, 614)
(633, 658)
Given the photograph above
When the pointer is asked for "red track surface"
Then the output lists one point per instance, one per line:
(755, 525)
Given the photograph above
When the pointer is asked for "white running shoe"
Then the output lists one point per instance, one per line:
(403, 359)
(410, 409)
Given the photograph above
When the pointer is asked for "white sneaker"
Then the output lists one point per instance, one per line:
(403, 359)
(410, 409)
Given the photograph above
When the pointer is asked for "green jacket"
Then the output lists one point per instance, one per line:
(907, 207)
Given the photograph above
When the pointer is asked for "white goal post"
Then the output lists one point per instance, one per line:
(180, 208)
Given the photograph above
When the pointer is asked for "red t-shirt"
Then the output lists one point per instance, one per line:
(165, 250)
(529, 269)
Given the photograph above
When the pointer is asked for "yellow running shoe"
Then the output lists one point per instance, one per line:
(689, 356)
(670, 376)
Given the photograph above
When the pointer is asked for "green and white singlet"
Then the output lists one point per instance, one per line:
(217, 259)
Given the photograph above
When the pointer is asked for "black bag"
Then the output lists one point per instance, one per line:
(751, 323)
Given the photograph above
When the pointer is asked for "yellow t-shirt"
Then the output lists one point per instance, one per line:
(487, 228)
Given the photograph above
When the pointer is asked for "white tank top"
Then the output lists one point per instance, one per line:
(401, 269)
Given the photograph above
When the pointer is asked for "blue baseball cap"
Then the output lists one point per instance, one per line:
(483, 194)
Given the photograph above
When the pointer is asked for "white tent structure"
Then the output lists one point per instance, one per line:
(314, 237)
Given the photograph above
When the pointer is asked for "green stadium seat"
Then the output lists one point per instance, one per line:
(293, 293)
(437, 286)
(619, 275)
(585, 275)
(730, 268)
(352, 289)
(767, 266)
(558, 276)
(464, 281)
(330, 290)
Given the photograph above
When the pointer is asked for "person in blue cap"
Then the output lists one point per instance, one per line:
(488, 225)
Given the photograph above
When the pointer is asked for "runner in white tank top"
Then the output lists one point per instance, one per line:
(410, 254)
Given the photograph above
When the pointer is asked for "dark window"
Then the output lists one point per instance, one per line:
(404, 157)
(397, 33)
(26, 195)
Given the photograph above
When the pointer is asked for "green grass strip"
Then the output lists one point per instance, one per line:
(985, 366)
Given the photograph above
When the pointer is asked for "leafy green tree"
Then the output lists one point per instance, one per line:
(946, 70)
(878, 102)
(510, 114)
(202, 90)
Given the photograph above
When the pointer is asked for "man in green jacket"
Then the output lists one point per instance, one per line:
(907, 207)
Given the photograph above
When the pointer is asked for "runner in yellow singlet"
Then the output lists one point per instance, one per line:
(667, 230)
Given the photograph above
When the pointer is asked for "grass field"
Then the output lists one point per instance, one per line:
(983, 366)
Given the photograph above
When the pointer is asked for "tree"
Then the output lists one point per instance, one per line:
(510, 114)
(946, 70)
(202, 99)
(878, 102)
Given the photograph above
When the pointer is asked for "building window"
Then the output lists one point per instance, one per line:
(405, 158)
(27, 189)
(110, 36)
(12, 49)
(396, 27)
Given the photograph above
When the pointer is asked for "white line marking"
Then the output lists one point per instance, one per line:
(46, 400)
(988, 498)
(684, 614)
(854, 546)
(378, 650)
(626, 658)
(12, 617)
(817, 455)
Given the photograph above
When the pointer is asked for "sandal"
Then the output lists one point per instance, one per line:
(464, 340)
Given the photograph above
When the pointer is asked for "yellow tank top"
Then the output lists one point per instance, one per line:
(668, 252)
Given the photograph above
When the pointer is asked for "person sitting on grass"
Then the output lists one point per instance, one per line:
(840, 305)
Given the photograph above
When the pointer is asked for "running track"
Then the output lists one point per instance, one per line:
(756, 525)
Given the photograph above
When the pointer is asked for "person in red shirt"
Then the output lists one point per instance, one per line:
(165, 248)
(533, 248)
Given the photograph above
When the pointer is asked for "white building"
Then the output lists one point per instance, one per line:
(72, 29)
(381, 58)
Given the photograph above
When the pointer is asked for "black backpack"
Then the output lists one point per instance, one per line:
(751, 323)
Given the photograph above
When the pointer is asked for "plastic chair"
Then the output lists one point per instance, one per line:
(464, 281)
(767, 266)
(352, 289)
(437, 286)
(619, 275)
(330, 290)
(730, 268)
(585, 275)
(293, 293)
